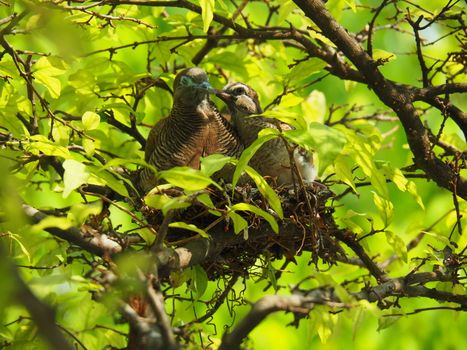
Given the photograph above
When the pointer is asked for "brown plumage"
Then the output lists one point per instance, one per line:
(193, 129)
(272, 159)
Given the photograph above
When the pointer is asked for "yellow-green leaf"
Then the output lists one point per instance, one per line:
(207, 13)
(187, 178)
(90, 120)
(74, 176)
(260, 212)
(189, 227)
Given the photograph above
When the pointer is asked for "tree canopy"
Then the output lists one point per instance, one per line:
(374, 255)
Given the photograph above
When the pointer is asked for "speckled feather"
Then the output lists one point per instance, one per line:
(193, 129)
(272, 159)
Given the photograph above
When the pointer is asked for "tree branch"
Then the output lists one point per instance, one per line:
(41, 313)
(394, 96)
(303, 301)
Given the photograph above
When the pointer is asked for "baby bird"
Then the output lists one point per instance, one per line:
(272, 159)
(193, 129)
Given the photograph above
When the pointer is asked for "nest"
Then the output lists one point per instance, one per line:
(307, 225)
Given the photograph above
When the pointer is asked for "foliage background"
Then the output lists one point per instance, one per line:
(76, 72)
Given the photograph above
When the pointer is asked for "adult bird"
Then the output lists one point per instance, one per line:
(273, 158)
(193, 129)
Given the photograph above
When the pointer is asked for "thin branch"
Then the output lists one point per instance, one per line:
(397, 97)
(41, 313)
(156, 301)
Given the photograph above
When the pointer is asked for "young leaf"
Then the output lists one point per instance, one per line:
(207, 10)
(344, 171)
(213, 163)
(260, 212)
(90, 120)
(385, 208)
(326, 141)
(397, 244)
(264, 136)
(187, 178)
(189, 227)
(75, 175)
(239, 223)
(266, 190)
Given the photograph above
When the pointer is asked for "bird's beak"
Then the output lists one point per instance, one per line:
(224, 96)
(206, 86)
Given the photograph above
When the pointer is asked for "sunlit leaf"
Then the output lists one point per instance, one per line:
(239, 223)
(187, 178)
(264, 136)
(379, 54)
(326, 141)
(189, 227)
(90, 120)
(213, 163)
(260, 212)
(397, 244)
(305, 69)
(385, 208)
(207, 9)
(271, 196)
(42, 144)
(344, 171)
(74, 176)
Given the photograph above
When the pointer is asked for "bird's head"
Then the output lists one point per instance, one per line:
(241, 99)
(191, 86)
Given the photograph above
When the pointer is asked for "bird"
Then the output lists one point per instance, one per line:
(193, 129)
(272, 159)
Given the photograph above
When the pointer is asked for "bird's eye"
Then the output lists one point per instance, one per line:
(185, 81)
(238, 91)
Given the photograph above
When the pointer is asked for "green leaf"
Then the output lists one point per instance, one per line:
(204, 199)
(271, 272)
(326, 141)
(385, 208)
(207, 11)
(239, 223)
(264, 136)
(362, 151)
(397, 244)
(90, 120)
(112, 180)
(165, 203)
(79, 212)
(387, 321)
(187, 178)
(402, 183)
(76, 174)
(305, 69)
(44, 71)
(89, 146)
(16, 238)
(213, 163)
(314, 108)
(200, 280)
(189, 227)
(379, 54)
(271, 196)
(260, 212)
(47, 147)
(344, 171)
(53, 221)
